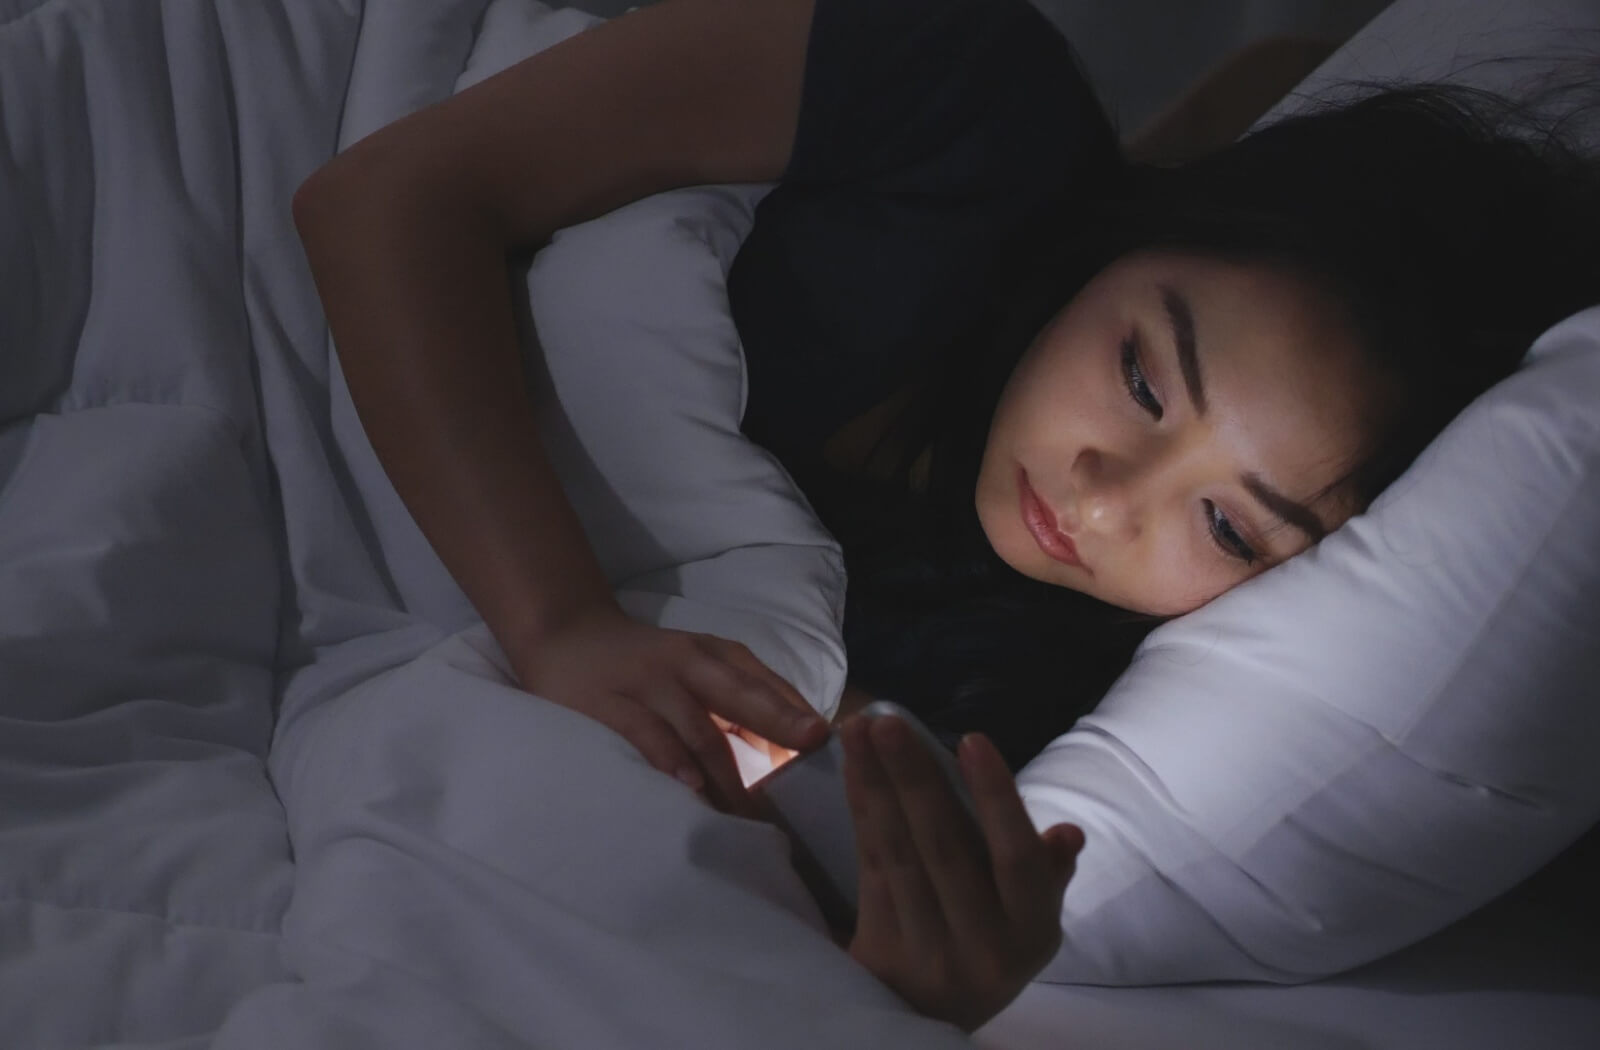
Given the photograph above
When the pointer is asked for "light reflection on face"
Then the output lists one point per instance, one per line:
(1180, 416)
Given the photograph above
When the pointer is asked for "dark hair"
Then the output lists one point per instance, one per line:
(1453, 224)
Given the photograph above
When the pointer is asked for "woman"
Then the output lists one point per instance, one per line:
(1234, 372)
(1440, 230)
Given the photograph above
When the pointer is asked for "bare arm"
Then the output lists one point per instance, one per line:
(408, 231)
(407, 234)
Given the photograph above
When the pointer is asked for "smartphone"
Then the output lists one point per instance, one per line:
(806, 798)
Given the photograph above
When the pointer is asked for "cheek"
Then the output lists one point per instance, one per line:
(1069, 359)
(1061, 401)
(1175, 573)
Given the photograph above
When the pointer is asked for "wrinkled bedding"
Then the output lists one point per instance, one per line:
(246, 800)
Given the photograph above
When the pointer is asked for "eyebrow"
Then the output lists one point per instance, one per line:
(1299, 515)
(1182, 319)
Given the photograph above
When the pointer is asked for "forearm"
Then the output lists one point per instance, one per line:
(417, 296)
(407, 233)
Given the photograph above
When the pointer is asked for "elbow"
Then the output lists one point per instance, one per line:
(351, 189)
(355, 196)
(317, 201)
(305, 201)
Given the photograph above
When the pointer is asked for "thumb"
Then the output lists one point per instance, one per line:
(1065, 842)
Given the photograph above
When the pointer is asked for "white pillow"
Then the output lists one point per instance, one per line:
(1366, 744)
(699, 528)
(639, 386)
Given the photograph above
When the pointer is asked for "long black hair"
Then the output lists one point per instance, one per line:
(1454, 225)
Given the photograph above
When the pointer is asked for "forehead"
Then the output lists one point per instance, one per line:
(1287, 385)
(1287, 313)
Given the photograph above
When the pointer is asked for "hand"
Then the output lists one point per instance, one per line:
(661, 689)
(956, 917)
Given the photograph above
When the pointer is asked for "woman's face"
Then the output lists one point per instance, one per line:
(1179, 418)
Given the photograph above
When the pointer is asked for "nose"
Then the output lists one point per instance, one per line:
(1111, 495)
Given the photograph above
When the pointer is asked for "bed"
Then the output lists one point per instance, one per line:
(1523, 972)
(264, 783)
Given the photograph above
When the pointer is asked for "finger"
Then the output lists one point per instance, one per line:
(948, 841)
(742, 659)
(747, 701)
(1065, 841)
(707, 746)
(654, 738)
(876, 922)
(1026, 873)
(740, 656)
(884, 842)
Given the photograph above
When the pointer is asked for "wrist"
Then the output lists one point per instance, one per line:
(525, 638)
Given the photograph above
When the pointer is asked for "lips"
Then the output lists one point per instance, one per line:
(1042, 524)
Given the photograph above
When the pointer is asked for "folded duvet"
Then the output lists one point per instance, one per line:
(246, 800)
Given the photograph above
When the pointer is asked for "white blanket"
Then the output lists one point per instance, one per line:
(246, 800)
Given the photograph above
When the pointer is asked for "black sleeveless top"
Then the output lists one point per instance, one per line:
(935, 139)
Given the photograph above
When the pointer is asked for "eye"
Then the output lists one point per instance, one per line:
(1226, 537)
(1133, 378)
